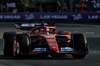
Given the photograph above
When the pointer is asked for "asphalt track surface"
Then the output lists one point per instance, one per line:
(92, 59)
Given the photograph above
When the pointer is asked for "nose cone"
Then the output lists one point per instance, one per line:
(52, 43)
(54, 49)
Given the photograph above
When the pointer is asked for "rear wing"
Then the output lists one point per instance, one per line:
(24, 26)
(29, 26)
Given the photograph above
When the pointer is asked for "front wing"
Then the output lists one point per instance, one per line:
(63, 50)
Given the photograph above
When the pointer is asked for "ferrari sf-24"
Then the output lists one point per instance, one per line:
(44, 39)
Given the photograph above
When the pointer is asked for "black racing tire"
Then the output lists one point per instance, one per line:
(8, 40)
(24, 43)
(80, 44)
(15, 48)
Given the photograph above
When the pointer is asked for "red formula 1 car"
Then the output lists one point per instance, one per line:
(44, 40)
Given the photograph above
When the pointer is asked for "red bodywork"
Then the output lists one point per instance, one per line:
(50, 37)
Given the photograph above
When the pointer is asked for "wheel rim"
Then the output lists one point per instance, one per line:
(18, 48)
(14, 48)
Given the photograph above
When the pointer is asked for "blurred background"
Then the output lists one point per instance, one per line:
(43, 5)
(86, 11)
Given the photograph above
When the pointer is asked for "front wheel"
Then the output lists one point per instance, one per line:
(23, 42)
(16, 49)
(79, 44)
(21, 45)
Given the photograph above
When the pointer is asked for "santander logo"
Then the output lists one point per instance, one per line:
(96, 3)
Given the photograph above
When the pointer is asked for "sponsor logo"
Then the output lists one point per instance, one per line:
(39, 49)
(50, 36)
(53, 16)
(10, 17)
(77, 16)
(29, 16)
(66, 49)
(93, 16)
(51, 40)
(96, 3)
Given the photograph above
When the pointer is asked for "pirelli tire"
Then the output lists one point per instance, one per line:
(79, 44)
(24, 41)
(8, 40)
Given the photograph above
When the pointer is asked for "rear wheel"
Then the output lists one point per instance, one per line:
(79, 44)
(8, 40)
